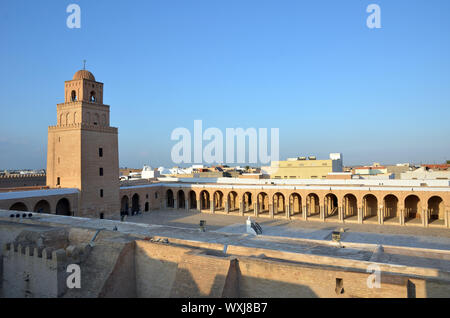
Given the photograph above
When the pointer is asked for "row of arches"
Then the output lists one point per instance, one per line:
(74, 118)
(43, 206)
(132, 206)
(92, 96)
(346, 207)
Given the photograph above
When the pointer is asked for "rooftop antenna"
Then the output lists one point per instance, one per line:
(84, 65)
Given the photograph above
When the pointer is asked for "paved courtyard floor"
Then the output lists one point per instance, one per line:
(434, 238)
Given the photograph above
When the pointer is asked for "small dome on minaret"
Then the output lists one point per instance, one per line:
(83, 74)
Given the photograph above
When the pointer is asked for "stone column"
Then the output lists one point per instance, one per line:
(381, 216)
(305, 213)
(447, 218)
(186, 204)
(341, 214)
(402, 217)
(256, 209)
(271, 210)
(360, 215)
(241, 208)
(287, 212)
(425, 217)
(175, 206)
(199, 207)
(227, 207)
(211, 206)
(322, 212)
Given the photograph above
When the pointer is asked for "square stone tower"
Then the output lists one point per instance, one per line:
(83, 148)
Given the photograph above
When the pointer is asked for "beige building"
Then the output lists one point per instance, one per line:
(83, 148)
(306, 168)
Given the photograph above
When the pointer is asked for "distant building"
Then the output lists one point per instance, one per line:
(424, 173)
(149, 173)
(303, 168)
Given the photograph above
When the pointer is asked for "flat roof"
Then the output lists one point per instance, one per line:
(36, 193)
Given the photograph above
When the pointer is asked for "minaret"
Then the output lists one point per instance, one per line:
(83, 149)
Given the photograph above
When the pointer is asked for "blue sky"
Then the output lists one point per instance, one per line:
(310, 68)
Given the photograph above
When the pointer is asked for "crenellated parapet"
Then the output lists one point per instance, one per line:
(21, 176)
(58, 257)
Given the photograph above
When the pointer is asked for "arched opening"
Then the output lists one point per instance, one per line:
(42, 207)
(170, 199)
(18, 206)
(63, 207)
(92, 97)
(96, 119)
(73, 96)
(436, 210)
(204, 200)
(331, 205)
(295, 204)
(247, 200)
(181, 202)
(370, 207)
(124, 205)
(390, 207)
(232, 202)
(147, 208)
(263, 203)
(412, 209)
(278, 203)
(218, 201)
(192, 200)
(350, 206)
(312, 205)
(135, 208)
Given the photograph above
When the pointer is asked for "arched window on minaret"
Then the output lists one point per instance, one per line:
(67, 118)
(92, 97)
(96, 119)
(73, 97)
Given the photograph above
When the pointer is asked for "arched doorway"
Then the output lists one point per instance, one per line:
(63, 207)
(370, 207)
(42, 207)
(18, 206)
(124, 205)
(412, 208)
(331, 205)
(278, 203)
(192, 200)
(247, 200)
(263, 203)
(147, 208)
(233, 201)
(135, 208)
(312, 205)
(390, 207)
(295, 204)
(204, 200)
(436, 210)
(218, 201)
(170, 199)
(181, 201)
(350, 206)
